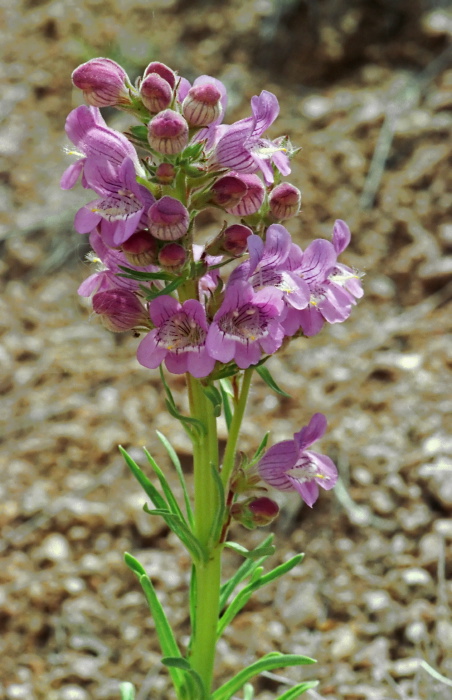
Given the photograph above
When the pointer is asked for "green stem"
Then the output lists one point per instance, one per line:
(208, 574)
(231, 446)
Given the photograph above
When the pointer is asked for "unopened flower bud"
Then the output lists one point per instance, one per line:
(228, 191)
(255, 512)
(156, 93)
(202, 104)
(104, 82)
(140, 249)
(168, 219)
(285, 201)
(119, 310)
(163, 71)
(165, 173)
(172, 256)
(252, 199)
(168, 132)
(235, 239)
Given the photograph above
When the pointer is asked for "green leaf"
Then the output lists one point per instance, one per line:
(179, 527)
(257, 581)
(220, 510)
(178, 467)
(196, 679)
(263, 551)
(190, 425)
(267, 663)
(171, 500)
(298, 690)
(143, 480)
(130, 273)
(264, 373)
(246, 569)
(226, 392)
(134, 564)
(127, 691)
(260, 450)
(170, 287)
(214, 397)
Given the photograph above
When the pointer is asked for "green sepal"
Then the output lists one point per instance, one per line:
(127, 691)
(267, 663)
(165, 634)
(226, 392)
(214, 397)
(178, 467)
(260, 450)
(197, 551)
(140, 132)
(192, 151)
(262, 551)
(246, 569)
(298, 690)
(183, 665)
(144, 481)
(264, 373)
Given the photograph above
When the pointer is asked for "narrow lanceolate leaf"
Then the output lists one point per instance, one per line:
(262, 551)
(257, 581)
(260, 450)
(197, 685)
(268, 379)
(165, 634)
(127, 691)
(220, 511)
(143, 480)
(246, 569)
(248, 692)
(167, 490)
(130, 273)
(226, 393)
(267, 663)
(179, 527)
(191, 426)
(214, 397)
(178, 467)
(298, 690)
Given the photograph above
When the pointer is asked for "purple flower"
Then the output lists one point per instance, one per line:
(269, 266)
(168, 132)
(343, 276)
(96, 144)
(106, 276)
(179, 338)
(241, 148)
(120, 310)
(168, 219)
(252, 199)
(284, 201)
(289, 466)
(121, 207)
(103, 82)
(245, 325)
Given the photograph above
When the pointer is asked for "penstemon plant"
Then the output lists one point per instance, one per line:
(155, 279)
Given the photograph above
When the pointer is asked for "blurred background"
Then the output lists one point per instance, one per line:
(365, 89)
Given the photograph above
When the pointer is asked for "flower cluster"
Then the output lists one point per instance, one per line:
(153, 277)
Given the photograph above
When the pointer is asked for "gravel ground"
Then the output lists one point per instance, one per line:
(366, 90)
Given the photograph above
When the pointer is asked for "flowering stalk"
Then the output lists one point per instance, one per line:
(155, 280)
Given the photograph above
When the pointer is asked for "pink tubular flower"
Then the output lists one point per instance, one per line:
(168, 219)
(252, 199)
(120, 310)
(178, 338)
(172, 256)
(168, 132)
(285, 201)
(122, 204)
(97, 145)
(241, 148)
(228, 191)
(289, 466)
(163, 71)
(255, 512)
(140, 249)
(202, 106)
(245, 325)
(103, 81)
(155, 92)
